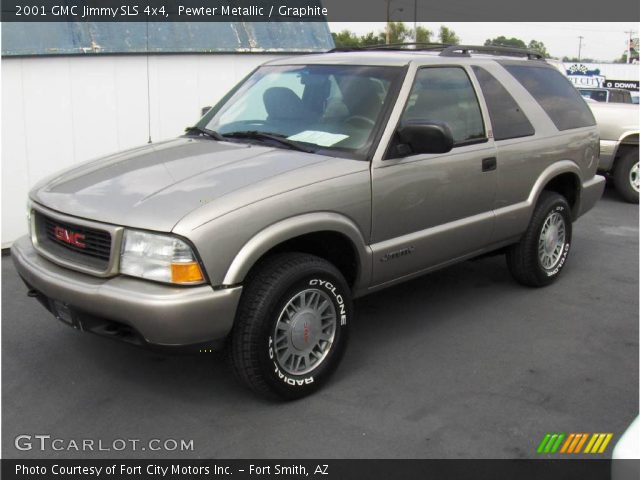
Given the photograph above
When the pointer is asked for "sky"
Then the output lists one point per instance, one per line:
(605, 41)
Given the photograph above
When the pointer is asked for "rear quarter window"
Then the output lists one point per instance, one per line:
(555, 94)
(507, 118)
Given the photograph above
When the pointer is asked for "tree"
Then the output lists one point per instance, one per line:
(423, 35)
(398, 32)
(539, 47)
(503, 41)
(372, 38)
(447, 35)
(346, 38)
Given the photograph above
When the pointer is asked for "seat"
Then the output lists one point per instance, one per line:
(363, 99)
(282, 104)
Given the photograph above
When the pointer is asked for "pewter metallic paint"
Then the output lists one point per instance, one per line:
(234, 202)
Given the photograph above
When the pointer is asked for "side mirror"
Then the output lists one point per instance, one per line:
(205, 110)
(426, 137)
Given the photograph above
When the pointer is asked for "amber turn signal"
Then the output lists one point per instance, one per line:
(187, 272)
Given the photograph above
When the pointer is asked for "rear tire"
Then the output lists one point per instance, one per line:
(291, 328)
(625, 176)
(540, 256)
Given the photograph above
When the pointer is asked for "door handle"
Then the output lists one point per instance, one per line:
(489, 164)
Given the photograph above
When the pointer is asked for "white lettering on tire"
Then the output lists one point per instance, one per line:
(283, 376)
(339, 300)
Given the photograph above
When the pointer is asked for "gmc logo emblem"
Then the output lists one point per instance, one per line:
(72, 238)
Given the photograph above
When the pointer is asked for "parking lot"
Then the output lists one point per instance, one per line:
(461, 363)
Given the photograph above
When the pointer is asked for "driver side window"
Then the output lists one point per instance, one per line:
(446, 95)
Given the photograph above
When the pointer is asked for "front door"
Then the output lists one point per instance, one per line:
(429, 209)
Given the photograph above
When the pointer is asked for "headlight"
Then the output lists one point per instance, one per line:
(163, 258)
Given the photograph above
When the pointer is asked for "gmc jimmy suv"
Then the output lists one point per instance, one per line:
(316, 180)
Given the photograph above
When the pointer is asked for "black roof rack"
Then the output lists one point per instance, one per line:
(394, 46)
(464, 51)
(448, 50)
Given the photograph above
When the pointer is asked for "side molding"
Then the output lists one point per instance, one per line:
(296, 226)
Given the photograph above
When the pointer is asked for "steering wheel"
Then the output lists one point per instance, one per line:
(360, 119)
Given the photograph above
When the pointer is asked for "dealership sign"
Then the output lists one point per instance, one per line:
(581, 76)
(632, 85)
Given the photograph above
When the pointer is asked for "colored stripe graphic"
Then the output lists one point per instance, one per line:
(572, 443)
(543, 443)
(556, 445)
(550, 443)
(598, 443)
(567, 443)
(581, 443)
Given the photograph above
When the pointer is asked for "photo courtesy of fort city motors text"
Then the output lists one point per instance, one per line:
(374, 239)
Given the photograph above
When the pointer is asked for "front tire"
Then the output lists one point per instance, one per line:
(626, 177)
(291, 328)
(541, 254)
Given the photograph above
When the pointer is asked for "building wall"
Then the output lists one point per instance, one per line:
(61, 111)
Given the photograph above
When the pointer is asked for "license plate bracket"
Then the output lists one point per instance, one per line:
(64, 313)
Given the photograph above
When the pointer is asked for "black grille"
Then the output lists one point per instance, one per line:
(97, 243)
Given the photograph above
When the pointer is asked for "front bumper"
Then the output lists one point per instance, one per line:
(162, 315)
(592, 191)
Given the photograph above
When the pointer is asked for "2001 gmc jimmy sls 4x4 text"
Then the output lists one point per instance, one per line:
(316, 180)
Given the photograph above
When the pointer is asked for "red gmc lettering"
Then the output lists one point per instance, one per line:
(72, 238)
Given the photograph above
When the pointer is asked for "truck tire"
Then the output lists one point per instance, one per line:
(625, 175)
(291, 328)
(540, 255)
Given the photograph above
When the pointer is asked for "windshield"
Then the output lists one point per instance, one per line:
(320, 107)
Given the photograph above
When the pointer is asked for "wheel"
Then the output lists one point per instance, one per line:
(540, 256)
(291, 327)
(625, 176)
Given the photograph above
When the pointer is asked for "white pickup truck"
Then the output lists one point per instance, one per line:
(619, 125)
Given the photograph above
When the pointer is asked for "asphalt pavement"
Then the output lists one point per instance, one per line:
(460, 363)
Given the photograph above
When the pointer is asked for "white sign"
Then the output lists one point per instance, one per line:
(587, 80)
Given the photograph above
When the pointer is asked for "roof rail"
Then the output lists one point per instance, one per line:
(394, 46)
(464, 51)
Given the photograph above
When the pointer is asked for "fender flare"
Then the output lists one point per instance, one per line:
(292, 227)
(621, 139)
(551, 172)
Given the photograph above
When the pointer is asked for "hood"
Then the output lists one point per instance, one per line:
(154, 186)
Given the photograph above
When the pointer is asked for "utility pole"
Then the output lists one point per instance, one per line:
(389, 13)
(580, 48)
(630, 32)
(415, 21)
(388, 26)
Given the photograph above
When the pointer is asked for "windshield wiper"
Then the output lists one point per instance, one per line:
(205, 131)
(256, 135)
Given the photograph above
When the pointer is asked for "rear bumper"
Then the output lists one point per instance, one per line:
(592, 191)
(161, 314)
